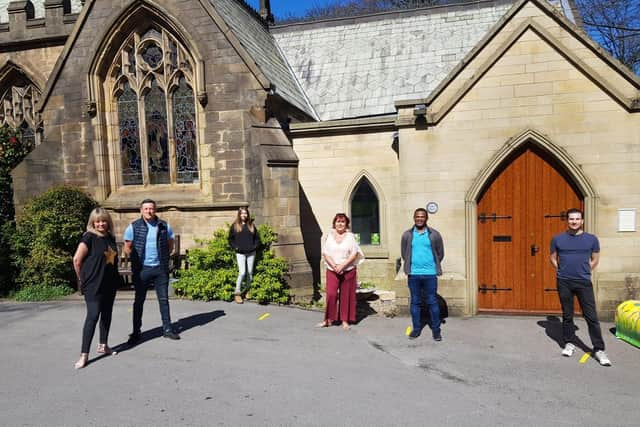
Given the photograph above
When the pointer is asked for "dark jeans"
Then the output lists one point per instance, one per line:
(98, 306)
(423, 290)
(583, 290)
(160, 280)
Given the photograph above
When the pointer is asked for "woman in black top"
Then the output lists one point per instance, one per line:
(96, 265)
(243, 238)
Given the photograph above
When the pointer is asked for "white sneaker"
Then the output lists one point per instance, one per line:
(568, 350)
(601, 357)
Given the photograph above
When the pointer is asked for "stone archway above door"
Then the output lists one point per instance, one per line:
(559, 156)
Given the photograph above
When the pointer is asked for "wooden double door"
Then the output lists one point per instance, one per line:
(518, 213)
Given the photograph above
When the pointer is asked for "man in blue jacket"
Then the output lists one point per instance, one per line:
(148, 241)
(422, 250)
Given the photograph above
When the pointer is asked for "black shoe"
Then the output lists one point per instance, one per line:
(437, 337)
(171, 335)
(134, 338)
(414, 334)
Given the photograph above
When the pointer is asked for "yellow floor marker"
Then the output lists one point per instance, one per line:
(264, 316)
(408, 330)
(584, 358)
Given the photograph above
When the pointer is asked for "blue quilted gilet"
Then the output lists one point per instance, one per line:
(140, 231)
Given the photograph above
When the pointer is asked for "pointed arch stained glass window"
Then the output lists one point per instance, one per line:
(152, 82)
(131, 159)
(184, 122)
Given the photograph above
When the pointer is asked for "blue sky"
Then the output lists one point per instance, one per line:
(281, 8)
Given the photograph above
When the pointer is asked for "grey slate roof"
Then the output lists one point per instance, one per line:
(38, 6)
(358, 67)
(264, 50)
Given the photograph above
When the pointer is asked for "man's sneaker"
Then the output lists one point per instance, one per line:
(602, 358)
(437, 337)
(134, 338)
(415, 333)
(171, 335)
(568, 350)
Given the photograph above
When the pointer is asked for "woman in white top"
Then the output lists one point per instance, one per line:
(341, 254)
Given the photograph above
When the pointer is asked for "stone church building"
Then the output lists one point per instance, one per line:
(498, 115)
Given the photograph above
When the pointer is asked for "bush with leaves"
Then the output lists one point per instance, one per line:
(213, 271)
(13, 149)
(46, 236)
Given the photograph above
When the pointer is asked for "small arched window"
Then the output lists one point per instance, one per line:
(152, 90)
(365, 214)
(18, 109)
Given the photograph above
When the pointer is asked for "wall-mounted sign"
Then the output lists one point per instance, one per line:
(627, 219)
(432, 207)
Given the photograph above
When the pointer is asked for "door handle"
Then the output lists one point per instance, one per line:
(534, 249)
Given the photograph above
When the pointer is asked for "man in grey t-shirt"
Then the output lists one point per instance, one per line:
(575, 254)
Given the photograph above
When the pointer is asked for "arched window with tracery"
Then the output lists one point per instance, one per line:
(18, 101)
(365, 213)
(152, 89)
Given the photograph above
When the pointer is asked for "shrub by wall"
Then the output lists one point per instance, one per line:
(213, 271)
(45, 239)
(13, 150)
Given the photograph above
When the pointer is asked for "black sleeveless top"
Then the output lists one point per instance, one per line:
(99, 272)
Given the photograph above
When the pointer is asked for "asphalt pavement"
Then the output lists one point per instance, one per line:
(254, 365)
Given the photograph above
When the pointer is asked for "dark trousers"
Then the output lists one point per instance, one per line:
(583, 290)
(141, 282)
(423, 290)
(99, 306)
(341, 287)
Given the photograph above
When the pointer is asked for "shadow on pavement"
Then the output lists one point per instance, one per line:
(180, 326)
(553, 328)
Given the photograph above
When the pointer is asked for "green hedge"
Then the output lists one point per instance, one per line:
(45, 238)
(213, 271)
(13, 150)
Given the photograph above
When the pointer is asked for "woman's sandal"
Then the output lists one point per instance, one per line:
(82, 362)
(324, 324)
(105, 349)
(345, 326)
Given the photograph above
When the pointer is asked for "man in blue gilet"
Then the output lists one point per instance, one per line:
(148, 241)
(575, 254)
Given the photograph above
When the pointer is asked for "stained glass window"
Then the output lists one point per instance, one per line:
(152, 55)
(365, 214)
(167, 151)
(155, 108)
(28, 136)
(184, 122)
(129, 137)
(18, 108)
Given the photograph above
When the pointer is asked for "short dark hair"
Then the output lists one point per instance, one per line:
(341, 216)
(575, 210)
(148, 201)
(421, 210)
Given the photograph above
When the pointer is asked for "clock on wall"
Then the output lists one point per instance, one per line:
(432, 207)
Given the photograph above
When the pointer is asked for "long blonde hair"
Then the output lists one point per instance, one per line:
(100, 214)
(237, 224)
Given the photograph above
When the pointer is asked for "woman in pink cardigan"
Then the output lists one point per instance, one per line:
(341, 254)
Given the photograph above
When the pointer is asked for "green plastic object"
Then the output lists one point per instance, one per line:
(628, 322)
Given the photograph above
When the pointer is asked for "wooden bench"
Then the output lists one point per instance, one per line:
(124, 263)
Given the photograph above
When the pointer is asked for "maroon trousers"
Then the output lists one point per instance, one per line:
(342, 288)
